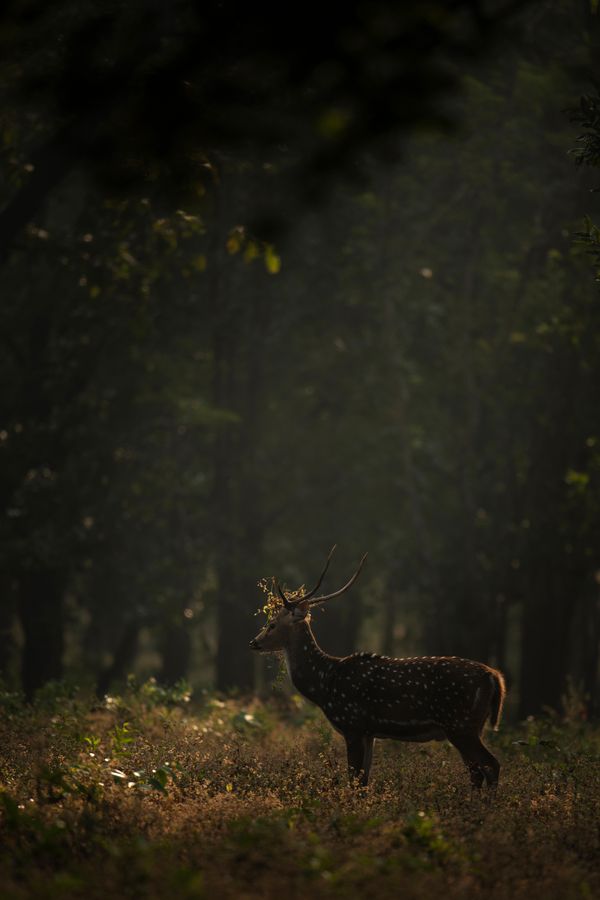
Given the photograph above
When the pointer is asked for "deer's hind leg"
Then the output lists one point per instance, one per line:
(360, 756)
(482, 765)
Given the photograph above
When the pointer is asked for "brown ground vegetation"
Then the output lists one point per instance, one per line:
(148, 797)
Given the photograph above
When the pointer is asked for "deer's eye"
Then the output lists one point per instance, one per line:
(272, 625)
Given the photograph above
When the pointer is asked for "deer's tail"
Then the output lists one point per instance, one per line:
(497, 699)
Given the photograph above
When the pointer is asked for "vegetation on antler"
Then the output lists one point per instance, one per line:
(274, 602)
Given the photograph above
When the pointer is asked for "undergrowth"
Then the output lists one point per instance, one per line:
(149, 796)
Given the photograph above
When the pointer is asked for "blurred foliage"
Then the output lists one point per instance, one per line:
(152, 93)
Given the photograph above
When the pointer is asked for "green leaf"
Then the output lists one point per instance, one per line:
(272, 260)
(159, 780)
(251, 252)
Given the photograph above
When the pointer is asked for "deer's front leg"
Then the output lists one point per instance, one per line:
(360, 756)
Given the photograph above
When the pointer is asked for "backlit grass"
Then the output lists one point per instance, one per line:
(150, 796)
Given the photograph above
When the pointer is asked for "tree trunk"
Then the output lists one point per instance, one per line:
(590, 650)
(500, 633)
(7, 622)
(123, 659)
(390, 609)
(40, 611)
(234, 666)
(240, 535)
(337, 628)
(544, 648)
(175, 647)
(239, 378)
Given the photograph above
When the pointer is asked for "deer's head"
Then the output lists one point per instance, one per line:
(278, 632)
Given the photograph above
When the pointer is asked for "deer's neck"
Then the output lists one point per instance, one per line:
(308, 667)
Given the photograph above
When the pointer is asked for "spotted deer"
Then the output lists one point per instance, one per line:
(366, 696)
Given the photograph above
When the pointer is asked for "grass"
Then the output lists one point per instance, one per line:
(149, 797)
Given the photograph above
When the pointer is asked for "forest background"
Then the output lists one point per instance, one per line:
(259, 300)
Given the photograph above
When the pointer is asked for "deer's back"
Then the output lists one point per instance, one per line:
(416, 698)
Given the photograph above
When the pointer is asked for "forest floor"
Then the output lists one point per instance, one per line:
(146, 796)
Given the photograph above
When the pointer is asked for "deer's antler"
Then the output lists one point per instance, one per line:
(318, 600)
(289, 604)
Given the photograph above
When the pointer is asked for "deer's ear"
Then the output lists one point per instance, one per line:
(301, 610)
